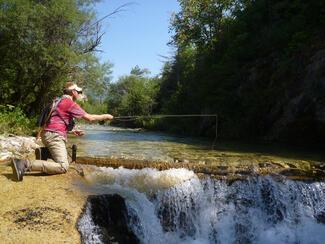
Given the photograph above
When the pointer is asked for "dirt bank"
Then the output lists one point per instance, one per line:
(40, 209)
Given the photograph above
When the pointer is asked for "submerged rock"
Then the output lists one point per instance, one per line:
(321, 217)
(109, 214)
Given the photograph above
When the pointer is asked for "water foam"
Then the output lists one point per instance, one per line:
(175, 206)
(145, 180)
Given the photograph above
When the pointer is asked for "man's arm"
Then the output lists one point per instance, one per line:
(92, 118)
(97, 117)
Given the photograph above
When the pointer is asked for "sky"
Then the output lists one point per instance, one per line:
(136, 36)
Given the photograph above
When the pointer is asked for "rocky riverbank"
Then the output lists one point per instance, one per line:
(40, 209)
(16, 146)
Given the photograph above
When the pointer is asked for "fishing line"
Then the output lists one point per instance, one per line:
(158, 116)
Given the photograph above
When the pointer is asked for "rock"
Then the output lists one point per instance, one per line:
(267, 165)
(41, 208)
(109, 214)
(320, 217)
(16, 146)
(5, 156)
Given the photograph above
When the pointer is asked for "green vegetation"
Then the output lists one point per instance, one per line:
(246, 61)
(241, 59)
(14, 121)
(43, 44)
(94, 107)
(133, 94)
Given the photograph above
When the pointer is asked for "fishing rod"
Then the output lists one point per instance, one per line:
(164, 116)
(157, 116)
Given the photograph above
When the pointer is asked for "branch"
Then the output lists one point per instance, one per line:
(117, 10)
(94, 44)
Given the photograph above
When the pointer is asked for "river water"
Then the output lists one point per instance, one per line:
(135, 144)
(175, 206)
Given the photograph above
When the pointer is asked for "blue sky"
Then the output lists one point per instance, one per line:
(136, 36)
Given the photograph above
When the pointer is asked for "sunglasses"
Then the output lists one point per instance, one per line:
(79, 92)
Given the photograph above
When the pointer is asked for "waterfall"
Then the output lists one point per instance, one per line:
(175, 206)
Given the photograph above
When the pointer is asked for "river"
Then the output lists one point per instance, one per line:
(177, 206)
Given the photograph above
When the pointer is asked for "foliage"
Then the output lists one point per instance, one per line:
(14, 121)
(42, 45)
(93, 106)
(133, 94)
(200, 22)
(239, 59)
(95, 77)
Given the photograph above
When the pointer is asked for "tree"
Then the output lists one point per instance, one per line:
(200, 22)
(42, 45)
(134, 94)
(241, 59)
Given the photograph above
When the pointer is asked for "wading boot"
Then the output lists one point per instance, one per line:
(42, 153)
(19, 166)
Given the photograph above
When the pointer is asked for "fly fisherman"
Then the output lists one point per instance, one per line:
(54, 134)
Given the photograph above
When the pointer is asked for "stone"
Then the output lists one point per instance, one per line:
(109, 214)
(320, 217)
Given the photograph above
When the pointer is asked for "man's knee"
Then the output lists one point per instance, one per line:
(65, 167)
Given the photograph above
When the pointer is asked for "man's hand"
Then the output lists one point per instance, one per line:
(78, 132)
(109, 117)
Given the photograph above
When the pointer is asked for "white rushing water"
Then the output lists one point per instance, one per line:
(174, 206)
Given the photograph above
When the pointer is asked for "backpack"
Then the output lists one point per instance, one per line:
(47, 112)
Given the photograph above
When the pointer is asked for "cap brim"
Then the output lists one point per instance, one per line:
(77, 88)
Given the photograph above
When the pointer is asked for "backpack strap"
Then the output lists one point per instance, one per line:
(71, 123)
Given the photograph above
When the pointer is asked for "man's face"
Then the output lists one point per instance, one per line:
(77, 95)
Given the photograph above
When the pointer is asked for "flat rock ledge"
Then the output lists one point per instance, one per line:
(41, 208)
(224, 168)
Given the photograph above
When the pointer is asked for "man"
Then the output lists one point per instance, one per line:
(54, 134)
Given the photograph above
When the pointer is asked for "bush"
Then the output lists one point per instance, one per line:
(14, 121)
(93, 107)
